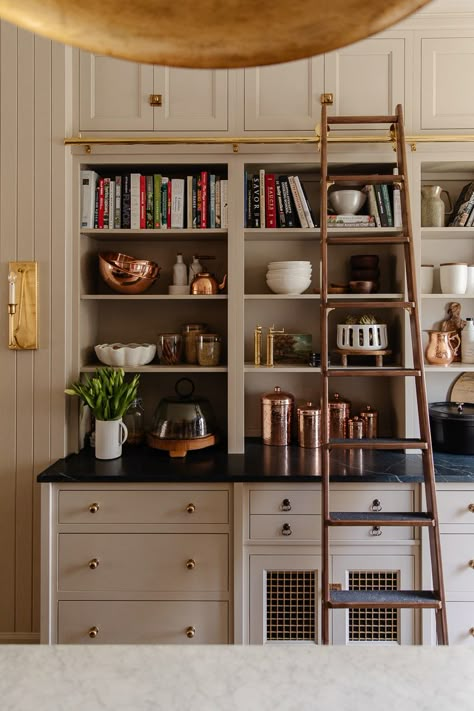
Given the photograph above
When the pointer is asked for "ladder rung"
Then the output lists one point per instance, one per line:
(379, 518)
(408, 443)
(384, 598)
(385, 304)
(367, 239)
(375, 371)
(366, 179)
(362, 119)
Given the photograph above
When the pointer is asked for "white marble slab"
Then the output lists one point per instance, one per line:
(268, 678)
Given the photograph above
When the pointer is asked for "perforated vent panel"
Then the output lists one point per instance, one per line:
(291, 605)
(372, 624)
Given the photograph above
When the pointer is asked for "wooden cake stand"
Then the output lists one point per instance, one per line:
(344, 353)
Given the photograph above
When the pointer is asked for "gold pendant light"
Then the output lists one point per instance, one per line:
(207, 33)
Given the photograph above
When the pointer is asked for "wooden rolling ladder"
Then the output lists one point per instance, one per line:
(331, 598)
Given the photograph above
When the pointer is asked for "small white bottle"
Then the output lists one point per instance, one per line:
(467, 342)
(180, 271)
(195, 268)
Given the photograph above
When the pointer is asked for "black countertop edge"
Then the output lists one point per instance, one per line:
(258, 463)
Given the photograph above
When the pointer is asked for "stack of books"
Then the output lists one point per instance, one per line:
(463, 211)
(384, 204)
(276, 201)
(351, 221)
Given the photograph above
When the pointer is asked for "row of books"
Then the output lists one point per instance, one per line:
(384, 205)
(463, 211)
(273, 201)
(136, 201)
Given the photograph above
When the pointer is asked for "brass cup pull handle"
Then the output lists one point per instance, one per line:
(190, 632)
(471, 508)
(93, 632)
(376, 505)
(375, 531)
(471, 563)
(190, 564)
(93, 508)
(471, 631)
(94, 563)
(190, 508)
(285, 505)
(286, 530)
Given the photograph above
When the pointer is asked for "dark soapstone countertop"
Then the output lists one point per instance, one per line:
(258, 463)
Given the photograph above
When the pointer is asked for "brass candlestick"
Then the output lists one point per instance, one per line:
(270, 340)
(257, 344)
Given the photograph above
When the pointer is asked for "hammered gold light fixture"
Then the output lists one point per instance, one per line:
(207, 33)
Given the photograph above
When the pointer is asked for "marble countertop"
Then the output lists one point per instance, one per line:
(207, 678)
(258, 463)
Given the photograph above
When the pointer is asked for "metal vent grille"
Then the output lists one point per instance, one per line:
(373, 624)
(291, 605)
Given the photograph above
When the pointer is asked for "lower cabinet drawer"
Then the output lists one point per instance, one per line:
(453, 507)
(277, 501)
(285, 527)
(461, 623)
(458, 562)
(143, 562)
(143, 622)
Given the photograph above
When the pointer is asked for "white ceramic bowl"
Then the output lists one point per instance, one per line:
(125, 354)
(284, 273)
(288, 285)
(347, 202)
(285, 265)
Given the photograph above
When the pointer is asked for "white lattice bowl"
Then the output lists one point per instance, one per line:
(125, 354)
(358, 337)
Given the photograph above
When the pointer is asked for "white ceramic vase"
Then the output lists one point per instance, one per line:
(427, 278)
(109, 437)
(453, 278)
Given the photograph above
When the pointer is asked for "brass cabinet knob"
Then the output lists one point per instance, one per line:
(471, 563)
(94, 563)
(375, 531)
(93, 632)
(285, 505)
(376, 505)
(190, 632)
(286, 530)
(93, 508)
(471, 631)
(190, 508)
(190, 564)
(155, 100)
(471, 508)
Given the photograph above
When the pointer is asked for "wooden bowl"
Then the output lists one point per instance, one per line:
(364, 261)
(362, 287)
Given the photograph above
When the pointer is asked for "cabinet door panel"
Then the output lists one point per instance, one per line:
(146, 562)
(284, 97)
(366, 78)
(458, 562)
(143, 622)
(114, 94)
(447, 65)
(193, 99)
(461, 623)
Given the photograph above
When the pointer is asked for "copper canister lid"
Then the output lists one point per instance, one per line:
(338, 401)
(309, 410)
(277, 397)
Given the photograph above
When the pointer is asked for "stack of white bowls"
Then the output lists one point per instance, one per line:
(289, 277)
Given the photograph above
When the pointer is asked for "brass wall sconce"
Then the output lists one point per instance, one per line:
(22, 305)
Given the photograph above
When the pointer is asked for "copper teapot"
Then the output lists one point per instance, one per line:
(206, 283)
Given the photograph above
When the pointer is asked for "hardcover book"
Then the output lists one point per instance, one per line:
(373, 209)
(279, 201)
(177, 203)
(88, 188)
(149, 202)
(164, 202)
(381, 206)
(135, 201)
(118, 202)
(387, 204)
(224, 203)
(126, 216)
(463, 206)
(297, 200)
(256, 200)
(157, 201)
(270, 201)
(288, 204)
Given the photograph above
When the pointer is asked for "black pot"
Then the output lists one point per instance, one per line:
(452, 427)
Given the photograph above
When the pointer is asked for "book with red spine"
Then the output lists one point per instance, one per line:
(101, 202)
(204, 198)
(142, 202)
(270, 201)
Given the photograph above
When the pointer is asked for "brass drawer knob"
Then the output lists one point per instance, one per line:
(190, 508)
(94, 563)
(190, 564)
(190, 632)
(155, 100)
(286, 530)
(93, 632)
(93, 508)
(375, 531)
(471, 631)
(376, 505)
(471, 508)
(285, 505)
(471, 563)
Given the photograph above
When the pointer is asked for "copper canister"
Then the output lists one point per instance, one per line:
(370, 418)
(277, 413)
(355, 428)
(309, 425)
(339, 412)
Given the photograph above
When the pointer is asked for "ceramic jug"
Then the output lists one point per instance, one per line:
(433, 209)
(441, 347)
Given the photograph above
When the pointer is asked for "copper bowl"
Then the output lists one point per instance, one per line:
(363, 287)
(125, 274)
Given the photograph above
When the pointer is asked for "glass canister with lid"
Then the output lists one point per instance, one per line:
(190, 331)
(277, 414)
(208, 348)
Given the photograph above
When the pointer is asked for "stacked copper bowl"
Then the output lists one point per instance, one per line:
(125, 274)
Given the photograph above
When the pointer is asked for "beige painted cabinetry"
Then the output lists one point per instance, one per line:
(136, 564)
(114, 95)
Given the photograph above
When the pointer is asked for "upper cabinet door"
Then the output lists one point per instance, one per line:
(447, 68)
(192, 99)
(114, 94)
(284, 97)
(366, 78)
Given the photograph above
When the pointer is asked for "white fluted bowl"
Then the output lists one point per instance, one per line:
(125, 354)
(289, 284)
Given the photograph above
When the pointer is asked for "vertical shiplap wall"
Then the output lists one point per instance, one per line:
(34, 225)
